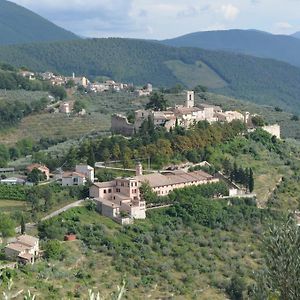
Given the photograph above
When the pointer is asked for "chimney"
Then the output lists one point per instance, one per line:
(139, 169)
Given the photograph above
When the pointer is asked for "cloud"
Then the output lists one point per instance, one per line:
(230, 12)
(189, 12)
(84, 16)
(283, 27)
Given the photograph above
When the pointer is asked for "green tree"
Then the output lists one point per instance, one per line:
(7, 226)
(280, 279)
(157, 102)
(58, 92)
(79, 105)
(23, 226)
(53, 249)
(147, 193)
(35, 176)
(251, 181)
(235, 288)
(258, 121)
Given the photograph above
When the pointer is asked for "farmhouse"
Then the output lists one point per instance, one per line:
(25, 249)
(41, 168)
(122, 196)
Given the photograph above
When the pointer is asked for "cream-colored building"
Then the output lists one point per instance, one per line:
(122, 195)
(229, 116)
(24, 249)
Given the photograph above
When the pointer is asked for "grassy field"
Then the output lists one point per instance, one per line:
(10, 206)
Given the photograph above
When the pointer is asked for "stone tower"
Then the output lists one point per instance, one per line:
(139, 169)
(190, 99)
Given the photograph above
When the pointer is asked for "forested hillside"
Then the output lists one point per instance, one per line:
(20, 25)
(252, 42)
(263, 81)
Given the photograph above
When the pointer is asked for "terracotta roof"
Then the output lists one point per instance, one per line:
(18, 247)
(105, 184)
(187, 110)
(27, 240)
(158, 180)
(73, 174)
(36, 166)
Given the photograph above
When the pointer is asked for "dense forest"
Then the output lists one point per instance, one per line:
(259, 80)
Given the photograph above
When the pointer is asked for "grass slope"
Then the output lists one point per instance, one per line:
(259, 80)
(20, 25)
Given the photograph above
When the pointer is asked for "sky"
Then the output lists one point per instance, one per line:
(161, 19)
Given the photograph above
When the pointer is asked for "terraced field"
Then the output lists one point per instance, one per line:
(56, 126)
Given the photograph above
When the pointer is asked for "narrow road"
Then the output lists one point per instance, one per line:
(63, 209)
(52, 215)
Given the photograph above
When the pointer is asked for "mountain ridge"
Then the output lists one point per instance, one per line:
(251, 42)
(20, 25)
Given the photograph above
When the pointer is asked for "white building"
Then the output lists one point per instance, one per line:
(86, 170)
(73, 179)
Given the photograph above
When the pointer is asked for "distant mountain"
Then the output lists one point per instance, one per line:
(251, 42)
(263, 81)
(296, 35)
(20, 25)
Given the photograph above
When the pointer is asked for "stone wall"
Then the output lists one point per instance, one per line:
(273, 130)
(120, 125)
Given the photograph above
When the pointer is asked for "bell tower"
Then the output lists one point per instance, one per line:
(190, 99)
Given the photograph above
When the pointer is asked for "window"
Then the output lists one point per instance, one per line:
(118, 190)
(104, 191)
(109, 191)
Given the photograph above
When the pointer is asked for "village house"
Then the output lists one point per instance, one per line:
(122, 195)
(27, 74)
(82, 174)
(24, 249)
(13, 181)
(73, 179)
(146, 91)
(41, 168)
(87, 171)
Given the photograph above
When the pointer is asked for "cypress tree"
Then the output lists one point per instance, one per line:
(23, 226)
(251, 181)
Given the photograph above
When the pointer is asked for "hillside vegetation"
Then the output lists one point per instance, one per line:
(20, 25)
(259, 80)
(253, 42)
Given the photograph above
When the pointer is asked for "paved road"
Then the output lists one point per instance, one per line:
(52, 215)
(63, 209)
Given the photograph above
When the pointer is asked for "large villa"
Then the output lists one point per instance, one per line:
(122, 195)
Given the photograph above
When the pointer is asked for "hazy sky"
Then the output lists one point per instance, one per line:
(158, 19)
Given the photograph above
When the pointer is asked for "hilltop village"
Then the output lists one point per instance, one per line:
(185, 116)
